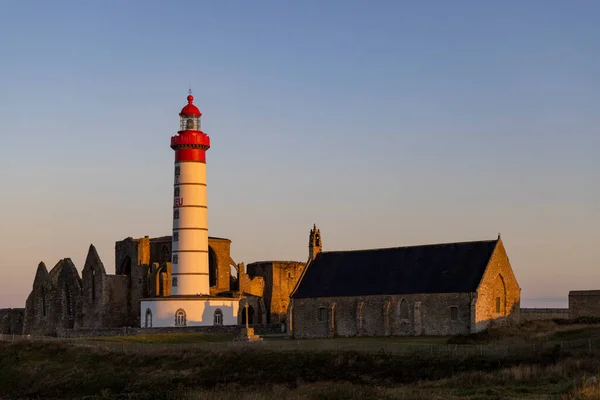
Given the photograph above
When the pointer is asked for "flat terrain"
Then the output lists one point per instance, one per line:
(49, 370)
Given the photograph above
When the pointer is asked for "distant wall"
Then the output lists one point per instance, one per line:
(538, 314)
(124, 331)
(584, 303)
(11, 321)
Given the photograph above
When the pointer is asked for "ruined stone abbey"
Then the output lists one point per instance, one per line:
(62, 300)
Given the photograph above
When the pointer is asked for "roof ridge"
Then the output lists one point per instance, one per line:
(406, 247)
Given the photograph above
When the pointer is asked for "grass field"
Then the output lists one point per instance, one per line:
(35, 370)
(187, 338)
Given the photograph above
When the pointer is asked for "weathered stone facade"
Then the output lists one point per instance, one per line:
(584, 303)
(11, 321)
(496, 298)
(55, 302)
(280, 278)
(61, 300)
(498, 294)
(381, 315)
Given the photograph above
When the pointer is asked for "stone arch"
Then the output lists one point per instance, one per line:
(360, 316)
(499, 306)
(386, 318)
(44, 302)
(93, 285)
(251, 316)
(161, 276)
(213, 267)
(165, 254)
(69, 308)
(403, 310)
(126, 266)
(234, 276)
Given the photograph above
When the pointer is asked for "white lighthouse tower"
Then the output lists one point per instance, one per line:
(190, 303)
(190, 214)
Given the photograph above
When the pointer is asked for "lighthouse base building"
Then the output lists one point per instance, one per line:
(189, 311)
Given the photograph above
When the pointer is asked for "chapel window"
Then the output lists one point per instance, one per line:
(403, 309)
(497, 304)
(180, 319)
(218, 317)
(453, 313)
(322, 314)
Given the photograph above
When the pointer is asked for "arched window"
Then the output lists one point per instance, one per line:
(218, 317)
(212, 267)
(148, 318)
(165, 254)
(180, 319)
(43, 301)
(93, 285)
(403, 309)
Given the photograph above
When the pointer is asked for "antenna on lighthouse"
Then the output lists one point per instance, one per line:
(190, 90)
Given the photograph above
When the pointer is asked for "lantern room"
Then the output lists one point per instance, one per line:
(189, 117)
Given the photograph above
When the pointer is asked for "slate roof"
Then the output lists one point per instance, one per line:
(433, 268)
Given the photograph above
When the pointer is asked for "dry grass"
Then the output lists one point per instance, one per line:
(532, 332)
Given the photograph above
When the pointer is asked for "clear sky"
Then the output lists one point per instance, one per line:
(387, 123)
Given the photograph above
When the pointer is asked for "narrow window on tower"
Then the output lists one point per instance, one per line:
(174, 281)
(176, 236)
(177, 171)
(176, 214)
(177, 191)
(175, 258)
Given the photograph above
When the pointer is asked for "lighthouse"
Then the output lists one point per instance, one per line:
(190, 273)
(189, 302)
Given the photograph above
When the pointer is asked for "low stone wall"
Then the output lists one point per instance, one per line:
(584, 303)
(538, 314)
(126, 331)
(11, 321)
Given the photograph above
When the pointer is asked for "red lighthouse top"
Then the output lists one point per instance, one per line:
(190, 109)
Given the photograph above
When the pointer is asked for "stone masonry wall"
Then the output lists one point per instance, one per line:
(221, 249)
(280, 278)
(498, 282)
(124, 331)
(584, 303)
(538, 314)
(11, 321)
(379, 315)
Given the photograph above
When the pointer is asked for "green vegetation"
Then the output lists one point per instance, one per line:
(54, 370)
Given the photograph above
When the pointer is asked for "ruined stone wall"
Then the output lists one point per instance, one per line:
(11, 321)
(261, 329)
(280, 278)
(37, 305)
(115, 302)
(498, 294)
(538, 314)
(220, 252)
(381, 315)
(254, 286)
(584, 303)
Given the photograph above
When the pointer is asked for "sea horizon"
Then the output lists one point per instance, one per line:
(545, 302)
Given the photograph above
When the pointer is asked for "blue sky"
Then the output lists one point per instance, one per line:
(387, 123)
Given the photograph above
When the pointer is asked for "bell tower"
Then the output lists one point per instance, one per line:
(315, 245)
